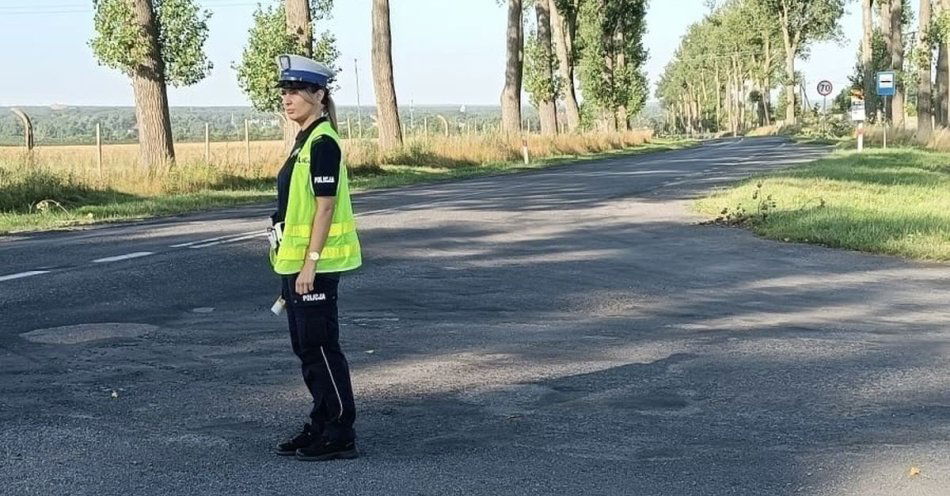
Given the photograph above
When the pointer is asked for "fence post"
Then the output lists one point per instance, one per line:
(247, 144)
(445, 124)
(99, 149)
(207, 143)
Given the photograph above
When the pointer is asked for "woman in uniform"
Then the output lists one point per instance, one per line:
(313, 241)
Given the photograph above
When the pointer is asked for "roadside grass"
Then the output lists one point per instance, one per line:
(894, 201)
(58, 187)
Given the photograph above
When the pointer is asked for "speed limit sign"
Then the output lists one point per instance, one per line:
(824, 88)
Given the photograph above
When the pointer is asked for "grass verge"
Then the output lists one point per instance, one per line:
(68, 202)
(894, 202)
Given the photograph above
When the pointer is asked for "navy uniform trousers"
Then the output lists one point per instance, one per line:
(315, 337)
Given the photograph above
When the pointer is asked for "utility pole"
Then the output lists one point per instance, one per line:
(359, 109)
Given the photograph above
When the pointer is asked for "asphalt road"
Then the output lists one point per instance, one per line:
(566, 331)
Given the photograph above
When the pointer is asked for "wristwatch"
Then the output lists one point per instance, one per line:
(314, 255)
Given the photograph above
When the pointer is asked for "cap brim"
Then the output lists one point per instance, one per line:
(296, 85)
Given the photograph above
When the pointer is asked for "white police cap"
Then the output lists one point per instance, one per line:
(299, 69)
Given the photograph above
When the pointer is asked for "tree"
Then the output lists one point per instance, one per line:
(866, 69)
(154, 42)
(924, 61)
(511, 94)
(300, 26)
(941, 36)
(612, 57)
(867, 53)
(540, 80)
(564, 30)
(892, 17)
(723, 72)
(766, 54)
(802, 22)
(269, 37)
(390, 131)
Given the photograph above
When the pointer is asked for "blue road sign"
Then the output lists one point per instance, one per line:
(886, 83)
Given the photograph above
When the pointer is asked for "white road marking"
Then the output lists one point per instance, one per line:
(231, 240)
(203, 241)
(22, 275)
(124, 257)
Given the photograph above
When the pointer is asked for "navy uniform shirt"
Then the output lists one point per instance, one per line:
(325, 157)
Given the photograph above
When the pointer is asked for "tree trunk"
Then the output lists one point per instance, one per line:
(924, 104)
(27, 128)
(730, 103)
(943, 85)
(766, 94)
(620, 66)
(705, 98)
(884, 11)
(511, 95)
(299, 25)
(942, 91)
(151, 97)
(547, 108)
(390, 130)
(867, 54)
(897, 63)
(790, 90)
(739, 97)
(718, 100)
(791, 48)
(564, 45)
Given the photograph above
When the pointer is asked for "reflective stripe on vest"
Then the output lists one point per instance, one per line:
(341, 251)
(303, 231)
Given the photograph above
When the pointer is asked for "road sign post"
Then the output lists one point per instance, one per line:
(886, 86)
(824, 89)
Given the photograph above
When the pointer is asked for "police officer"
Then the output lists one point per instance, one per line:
(314, 241)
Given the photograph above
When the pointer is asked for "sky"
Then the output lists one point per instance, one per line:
(444, 52)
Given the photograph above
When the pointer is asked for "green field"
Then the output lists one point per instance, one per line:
(893, 202)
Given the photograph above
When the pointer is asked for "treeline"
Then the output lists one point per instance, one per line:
(77, 125)
(64, 125)
(729, 65)
(563, 51)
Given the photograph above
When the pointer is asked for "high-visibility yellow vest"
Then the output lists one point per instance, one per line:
(341, 252)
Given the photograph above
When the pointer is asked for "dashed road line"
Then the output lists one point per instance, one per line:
(21, 275)
(127, 256)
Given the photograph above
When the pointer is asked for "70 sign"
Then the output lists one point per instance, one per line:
(825, 88)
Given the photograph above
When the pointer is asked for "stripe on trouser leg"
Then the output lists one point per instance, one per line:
(333, 381)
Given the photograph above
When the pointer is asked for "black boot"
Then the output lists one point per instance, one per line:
(323, 449)
(302, 440)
